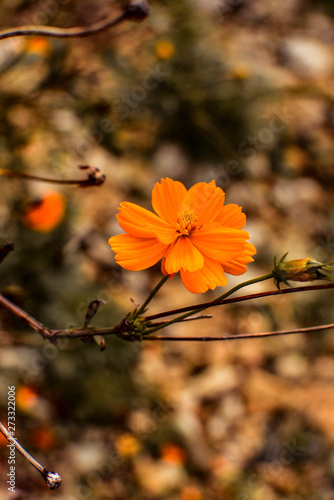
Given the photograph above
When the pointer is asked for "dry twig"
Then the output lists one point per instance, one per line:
(133, 12)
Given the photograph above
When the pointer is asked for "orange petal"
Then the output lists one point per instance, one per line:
(238, 266)
(234, 267)
(205, 200)
(136, 254)
(249, 250)
(183, 255)
(140, 222)
(231, 216)
(163, 268)
(167, 199)
(220, 244)
(210, 276)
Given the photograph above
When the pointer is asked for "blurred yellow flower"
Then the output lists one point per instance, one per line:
(241, 71)
(192, 232)
(164, 49)
(127, 445)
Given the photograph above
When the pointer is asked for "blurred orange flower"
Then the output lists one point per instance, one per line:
(46, 214)
(172, 453)
(164, 49)
(192, 232)
(43, 439)
(26, 398)
(38, 45)
(191, 493)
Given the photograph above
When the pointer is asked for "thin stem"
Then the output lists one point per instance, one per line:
(245, 335)
(82, 332)
(242, 298)
(135, 11)
(220, 299)
(150, 297)
(32, 322)
(242, 285)
(52, 479)
(94, 177)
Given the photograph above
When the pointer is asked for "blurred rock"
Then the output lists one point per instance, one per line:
(309, 58)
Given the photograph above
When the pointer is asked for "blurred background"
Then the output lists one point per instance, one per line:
(233, 90)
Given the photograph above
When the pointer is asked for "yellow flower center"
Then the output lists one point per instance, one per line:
(186, 222)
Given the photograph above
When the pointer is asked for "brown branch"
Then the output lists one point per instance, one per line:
(52, 479)
(205, 305)
(133, 11)
(48, 333)
(94, 177)
(245, 335)
(85, 332)
(20, 313)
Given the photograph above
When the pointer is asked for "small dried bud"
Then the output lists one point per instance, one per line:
(52, 479)
(92, 310)
(306, 269)
(137, 10)
(5, 249)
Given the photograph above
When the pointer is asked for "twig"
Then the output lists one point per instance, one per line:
(191, 318)
(53, 335)
(243, 336)
(134, 11)
(205, 305)
(94, 177)
(52, 479)
(32, 322)
(142, 308)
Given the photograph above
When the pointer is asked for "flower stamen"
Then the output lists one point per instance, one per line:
(186, 222)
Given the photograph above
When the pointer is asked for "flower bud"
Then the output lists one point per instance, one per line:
(306, 269)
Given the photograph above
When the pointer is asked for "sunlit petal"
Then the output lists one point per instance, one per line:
(210, 276)
(205, 200)
(136, 254)
(167, 199)
(231, 216)
(238, 265)
(183, 255)
(140, 222)
(219, 244)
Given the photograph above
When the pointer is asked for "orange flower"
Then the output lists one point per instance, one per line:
(38, 45)
(172, 453)
(46, 214)
(43, 439)
(192, 232)
(164, 49)
(26, 398)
